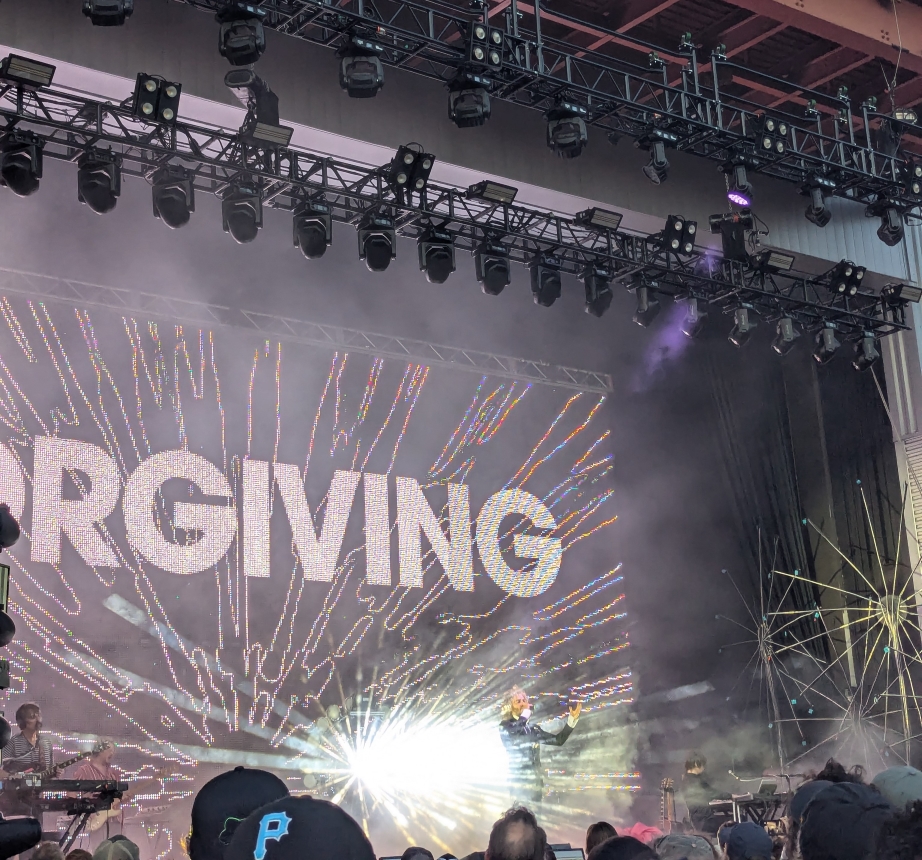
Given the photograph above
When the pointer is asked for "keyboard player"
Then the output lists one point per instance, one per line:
(698, 793)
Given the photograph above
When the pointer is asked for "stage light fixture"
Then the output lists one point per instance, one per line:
(21, 162)
(409, 170)
(732, 228)
(826, 344)
(99, 180)
(485, 47)
(377, 241)
(361, 73)
(695, 317)
(786, 335)
(890, 231)
(491, 266)
(845, 279)
(772, 136)
(657, 168)
(545, 279)
(648, 306)
(312, 228)
(30, 74)
(770, 260)
(866, 352)
(469, 100)
(566, 129)
(242, 37)
(436, 254)
(155, 99)
(597, 282)
(898, 293)
(679, 235)
(744, 321)
(599, 219)
(818, 211)
(173, 195)
(108, 13)
(739, 188)
(242, 211)
(261, 125)
(912, 180)
(493, 192)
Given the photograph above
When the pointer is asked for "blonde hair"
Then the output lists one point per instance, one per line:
(508, 700)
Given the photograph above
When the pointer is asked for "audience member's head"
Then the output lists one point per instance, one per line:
(901, 837)
(901, 786)
(117, 848)
(48, 851)
(414, 852)
(843, 822)
(299, 828)
(223, 802)
(622, 848)
(79, 854)
(516, 836)
(675, 846)
(597, 833)
(796, 809)
(745, 840)
(835, 772)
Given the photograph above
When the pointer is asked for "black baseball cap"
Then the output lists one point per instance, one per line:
(223, 802)
(299, 828)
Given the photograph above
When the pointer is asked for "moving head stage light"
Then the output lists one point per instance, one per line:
(312, 228)
(436, 254)
(377, 241)
(545, 279)
(566, 129)
(21, 162)
(361, 73)
(173, 195)
(242, 211)
(99, 180)
(108, 13)
(491, 266)
(469, 100)
(242, 38)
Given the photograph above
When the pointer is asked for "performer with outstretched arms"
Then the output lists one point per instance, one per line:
(522, 742)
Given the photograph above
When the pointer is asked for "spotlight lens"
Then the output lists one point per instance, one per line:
(738, 198)
(171, 91)
(408, 158)
(420, 183)
(478, 53)
(917, 171)
(427, 163)
(689, 247)
(769, 124)
(494, 58)
(497, 37)
(766, 143)
(674, 244)
(779, 146)
(783, 129)
(147, 108)
(859, 274)
(480, 33)
(848, 271)
(678, 224)
(168, 113)
(916, 188)
(150, 86)
(692, 228)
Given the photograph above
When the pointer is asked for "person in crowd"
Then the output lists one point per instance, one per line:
(79, 854)
(223, 802)
(901, 837)
(622, 848)
(676, 846)
(901, 786)
(47, 851)
(117, 848)
(29, 750)
(516, 836)
(597, 833)
(523, 742)
(697, 792)
(299, 828)
(797, 806)
(414, 852)
(745, 840)
(843, 822)
(833, 771)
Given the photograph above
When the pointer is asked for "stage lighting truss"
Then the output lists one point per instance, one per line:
(840, 661)
(620, 93)
(181, 157)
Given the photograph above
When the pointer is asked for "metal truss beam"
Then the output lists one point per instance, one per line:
(629, 97)
(69, 124)
(170, 309)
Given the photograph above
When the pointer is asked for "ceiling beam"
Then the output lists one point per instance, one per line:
(636, 12)
(864, 25)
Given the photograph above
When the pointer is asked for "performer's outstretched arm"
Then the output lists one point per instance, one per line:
(561, 737)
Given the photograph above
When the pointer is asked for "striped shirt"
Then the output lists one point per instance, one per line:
(19, 755)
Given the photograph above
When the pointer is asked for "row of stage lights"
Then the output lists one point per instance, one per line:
(242, 41)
